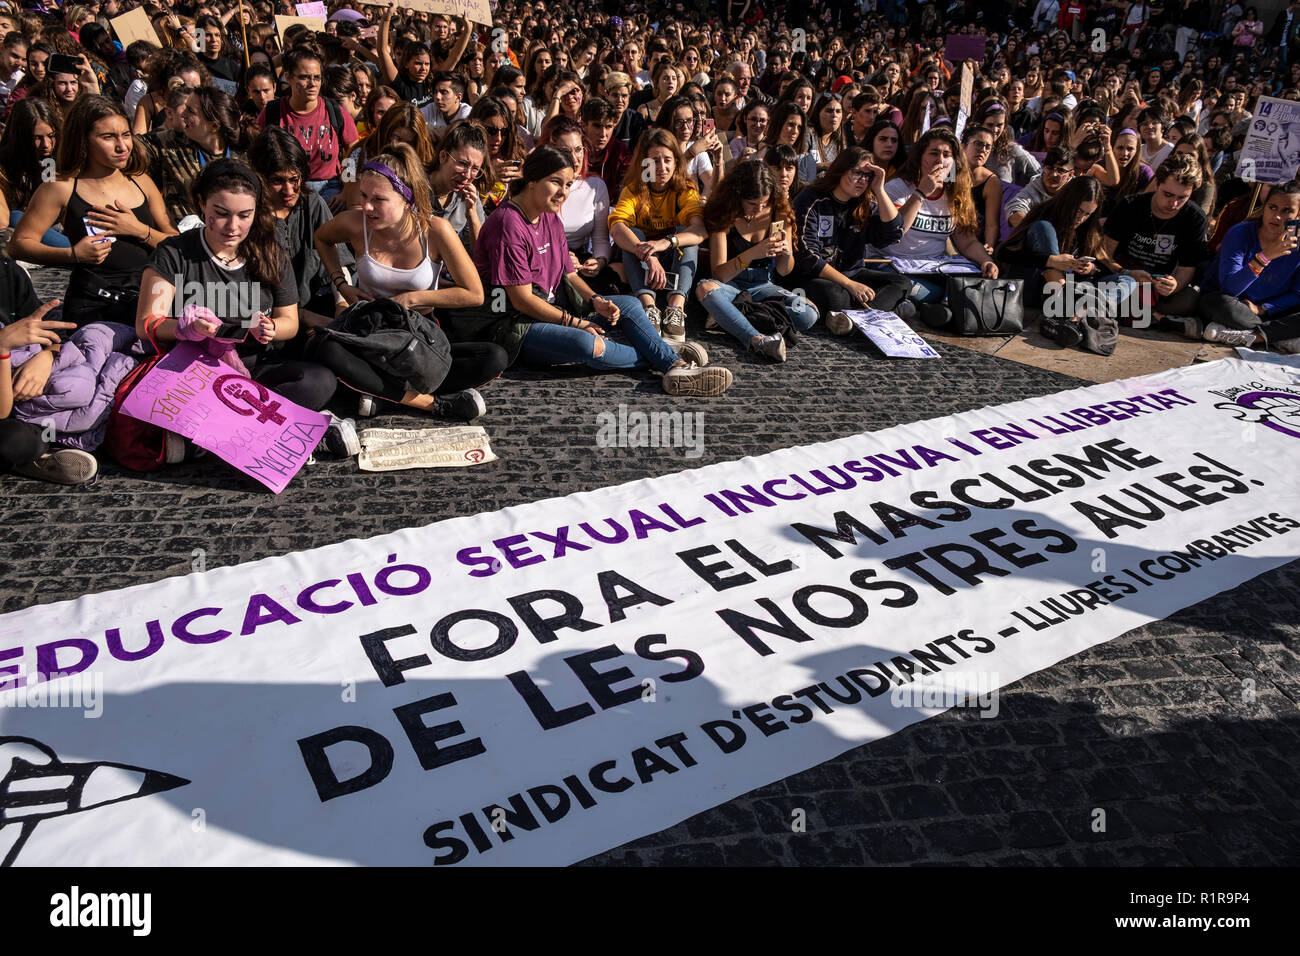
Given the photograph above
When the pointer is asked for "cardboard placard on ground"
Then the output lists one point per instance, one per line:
(134, 25)
(476, 11)
(283, 23)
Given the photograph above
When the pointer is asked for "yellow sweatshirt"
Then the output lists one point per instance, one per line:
(656, 214)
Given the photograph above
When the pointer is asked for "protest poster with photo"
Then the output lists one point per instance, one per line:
(542, 683)
(1271, 152)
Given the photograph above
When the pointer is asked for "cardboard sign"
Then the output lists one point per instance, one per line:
(133, 26)
(962, 46)
(967, 90)
(891, 334)
(263, 434)
(476, 11)
(316, 9)
(283, 23)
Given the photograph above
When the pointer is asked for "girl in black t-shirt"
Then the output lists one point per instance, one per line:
(234, 269)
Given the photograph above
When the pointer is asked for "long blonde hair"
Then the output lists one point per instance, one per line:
(405, 162)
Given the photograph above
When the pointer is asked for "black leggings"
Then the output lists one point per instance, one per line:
(890, 288)
(308, 384)
(20, 442)
(472, 364)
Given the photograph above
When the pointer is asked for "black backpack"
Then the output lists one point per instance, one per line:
(395, 340)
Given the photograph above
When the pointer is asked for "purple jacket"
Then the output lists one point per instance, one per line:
(83, 382)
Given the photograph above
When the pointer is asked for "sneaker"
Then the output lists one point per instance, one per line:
(656, 320)
(773, 346)
(691, 381)
(674, 324)
(367, 406)
(466, 406)
(1288, 346)
(174, 449)
(837, 323)
(905, 310)
(691, 352)
(1214, 332)
(341, 437)
(1192, 327)
(63, 466)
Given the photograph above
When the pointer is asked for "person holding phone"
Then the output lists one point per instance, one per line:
(585, 213)
(247, 287)
(835, 221)
(1252, 290)
(1159, 239)
(1061, 237)
(751, 241)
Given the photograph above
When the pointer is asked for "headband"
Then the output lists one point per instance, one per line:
(994, 108)
(233, 167)
(1056, 116)
(403, 190)
(1128, 130)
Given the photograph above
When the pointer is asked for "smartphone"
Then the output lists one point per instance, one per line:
(1294, 225)
(777, 228)
(93, 230)
(1086, 258)
(231, 332)
(369, 33)
(709, 126)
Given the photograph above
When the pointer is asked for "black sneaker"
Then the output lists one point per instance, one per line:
(935, 315)
(465, 406)
(772, 346)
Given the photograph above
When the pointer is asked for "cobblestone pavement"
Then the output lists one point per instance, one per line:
(1150, 728)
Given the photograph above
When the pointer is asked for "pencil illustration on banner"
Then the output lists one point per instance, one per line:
(37, 786)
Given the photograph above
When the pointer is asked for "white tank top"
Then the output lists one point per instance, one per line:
(383, 282)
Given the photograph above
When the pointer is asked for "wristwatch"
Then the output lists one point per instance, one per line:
(672, 241)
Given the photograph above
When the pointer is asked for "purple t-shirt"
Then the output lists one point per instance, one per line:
(513, 251)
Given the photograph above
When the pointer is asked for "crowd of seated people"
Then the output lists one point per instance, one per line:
(572, 185)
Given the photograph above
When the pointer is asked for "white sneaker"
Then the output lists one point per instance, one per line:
(1214, 332)
(366, 406)
(691, 352)
(656, 320)
(174, 449)
(63, 466)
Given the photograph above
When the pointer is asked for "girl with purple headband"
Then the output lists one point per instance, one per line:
(403, 252)
(1009, 161)
(1133, 173)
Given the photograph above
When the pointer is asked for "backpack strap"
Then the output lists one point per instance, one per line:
(335, 113)
(273, 112)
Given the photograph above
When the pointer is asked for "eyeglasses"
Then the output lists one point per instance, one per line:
(461, 166)
(294, 181)
(981, 147)
(1058, 170)
(861, 175)
(495, 131)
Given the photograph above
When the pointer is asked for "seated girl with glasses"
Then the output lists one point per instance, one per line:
(455, 178)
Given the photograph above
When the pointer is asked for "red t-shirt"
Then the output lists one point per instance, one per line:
(314, 132)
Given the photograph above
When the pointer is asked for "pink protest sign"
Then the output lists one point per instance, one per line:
(316, 9)
(261, 433)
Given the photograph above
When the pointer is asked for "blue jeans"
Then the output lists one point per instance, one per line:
(758, 284)
(928, 290)
(1109, 292)
(52, 237)
(327, 188)
(548, 344)
(684, 266)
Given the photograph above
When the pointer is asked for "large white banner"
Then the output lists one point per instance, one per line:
(543, 683)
